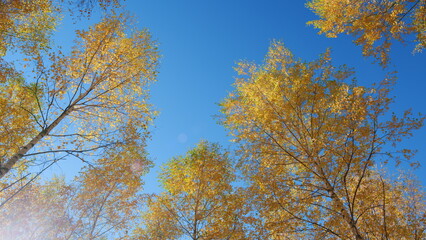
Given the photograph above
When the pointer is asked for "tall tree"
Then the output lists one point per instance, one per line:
(374, 23)
(198, 202)
(82, 101)
(90, 104)
(310, 142)
(15, 121)
(105, 197)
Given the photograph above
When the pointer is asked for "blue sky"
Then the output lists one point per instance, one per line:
(200, 43)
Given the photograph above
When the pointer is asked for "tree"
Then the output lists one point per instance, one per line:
(104, 199)
(374, 23)
(198, 202)
(27, 25)
(82, 101)
(309, 143)
(15, 122)
(91, 104)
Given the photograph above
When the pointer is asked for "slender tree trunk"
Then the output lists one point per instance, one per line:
(8, 165)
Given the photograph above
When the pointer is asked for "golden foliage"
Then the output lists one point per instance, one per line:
(198, 201)
(105, 197)
(26, 25)
(374, 23)
(81, 101)
(91, 104)
(16, 104)
(309, 142)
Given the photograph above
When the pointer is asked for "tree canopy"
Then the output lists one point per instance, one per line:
(310, 140)
(314, 153)
(374, 23)
(199, 201)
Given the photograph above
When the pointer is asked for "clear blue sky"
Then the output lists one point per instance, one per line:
(200, 42)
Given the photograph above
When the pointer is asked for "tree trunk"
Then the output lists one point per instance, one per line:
(8, 165)
(5, 168)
